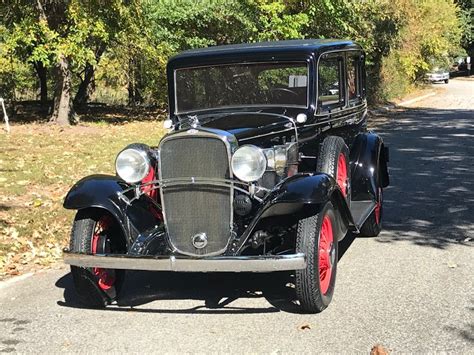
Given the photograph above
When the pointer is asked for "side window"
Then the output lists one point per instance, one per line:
(330, 83)
(354, 78)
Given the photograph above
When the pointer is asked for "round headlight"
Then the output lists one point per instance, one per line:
(249, 163)
(132, 165)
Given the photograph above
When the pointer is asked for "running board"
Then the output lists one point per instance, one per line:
(361, 210)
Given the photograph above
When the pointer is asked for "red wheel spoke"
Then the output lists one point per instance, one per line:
(341, 178)
(378, 207)
(106, 277)
(326, 240)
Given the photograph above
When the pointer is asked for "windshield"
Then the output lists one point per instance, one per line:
(234, 85)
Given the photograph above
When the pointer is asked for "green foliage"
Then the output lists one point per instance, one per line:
(466, 18)
(191, 24)
(429, 32)
(275, 20)
(126, 43)
(16, 77)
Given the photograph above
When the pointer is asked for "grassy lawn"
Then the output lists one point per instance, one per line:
(38, 165)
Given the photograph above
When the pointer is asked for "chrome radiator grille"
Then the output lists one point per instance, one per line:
(192, 209)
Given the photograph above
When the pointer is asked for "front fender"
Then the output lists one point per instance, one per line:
(300, 196)
(303, 190)
(101, 191)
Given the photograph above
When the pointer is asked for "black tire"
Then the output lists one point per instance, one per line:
(373, 225)
(311, 292)
(446, 81)
(328, 159)
(88, 282)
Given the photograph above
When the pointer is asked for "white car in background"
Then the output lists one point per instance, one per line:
(438, 74)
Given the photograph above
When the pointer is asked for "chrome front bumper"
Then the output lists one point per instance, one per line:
(211, 264)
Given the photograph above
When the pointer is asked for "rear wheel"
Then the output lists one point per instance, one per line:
(317, 239)
(333, 159)
(96, 232)
(373, 225)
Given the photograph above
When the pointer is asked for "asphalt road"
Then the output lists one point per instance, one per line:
(411, 289)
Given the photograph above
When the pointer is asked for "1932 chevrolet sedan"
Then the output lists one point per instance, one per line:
(266, 167)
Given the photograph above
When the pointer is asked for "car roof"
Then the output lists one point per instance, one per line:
(304, 46)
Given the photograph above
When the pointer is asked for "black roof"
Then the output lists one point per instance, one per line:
(304, 46)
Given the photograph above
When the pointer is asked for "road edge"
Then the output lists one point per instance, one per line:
(386, 108)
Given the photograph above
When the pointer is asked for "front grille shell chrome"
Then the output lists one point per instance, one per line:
(185, 207)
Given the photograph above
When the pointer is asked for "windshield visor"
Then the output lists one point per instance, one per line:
(241, 85)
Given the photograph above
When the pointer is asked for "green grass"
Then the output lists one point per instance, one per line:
(38, 165)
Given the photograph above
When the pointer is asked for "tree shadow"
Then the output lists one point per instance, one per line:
(119, 114)
(467, 332)
(26, 112)
(431, 197)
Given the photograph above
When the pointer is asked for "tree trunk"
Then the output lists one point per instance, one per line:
(84, 91)
(131, 82)
(63, 111)
(43, 82)
(135, 82)
(86, 87)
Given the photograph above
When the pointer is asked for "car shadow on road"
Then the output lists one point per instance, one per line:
(430, 201)
(214, 291)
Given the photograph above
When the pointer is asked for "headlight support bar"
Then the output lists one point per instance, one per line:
(138, 190)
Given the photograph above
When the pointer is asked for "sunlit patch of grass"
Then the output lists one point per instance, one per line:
(38, 165)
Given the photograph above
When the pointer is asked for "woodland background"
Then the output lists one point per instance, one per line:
(67, 53)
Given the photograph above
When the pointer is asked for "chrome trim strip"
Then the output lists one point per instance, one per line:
(356, 109)
(200, 133)
(267, 134)
(267, 263)
(331, 120)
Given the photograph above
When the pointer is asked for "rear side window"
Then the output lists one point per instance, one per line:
(330, 83)
(354, 78)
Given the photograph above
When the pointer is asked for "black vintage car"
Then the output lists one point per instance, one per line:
(267, 165)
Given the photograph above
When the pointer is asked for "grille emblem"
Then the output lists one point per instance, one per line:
(200, 240)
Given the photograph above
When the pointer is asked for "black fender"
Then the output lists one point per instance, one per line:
(307, 189)
(301, 196)
(368, 156)
(101, 191)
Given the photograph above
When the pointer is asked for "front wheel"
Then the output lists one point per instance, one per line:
(317, 239)
(96, 232)
(446, 81)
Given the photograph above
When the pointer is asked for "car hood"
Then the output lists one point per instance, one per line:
(248, 125)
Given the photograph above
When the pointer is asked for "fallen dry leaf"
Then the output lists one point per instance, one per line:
(304, 326)
(37, 202)
(378, 350)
